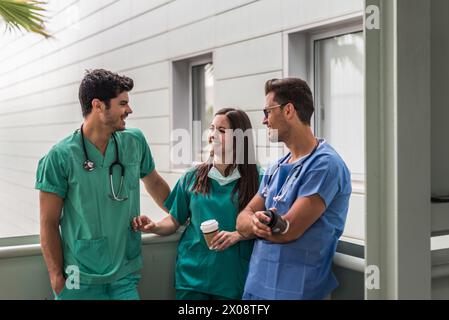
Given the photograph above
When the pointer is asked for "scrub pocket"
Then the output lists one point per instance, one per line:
(298, 267)
(93, 255)
(132, 176)
(134, 245)
(284, 273)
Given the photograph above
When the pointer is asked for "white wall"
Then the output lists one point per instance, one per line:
(39, 78)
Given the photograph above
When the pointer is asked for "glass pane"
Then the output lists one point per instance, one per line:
(339, 93)
(340, 97)
(203, 108)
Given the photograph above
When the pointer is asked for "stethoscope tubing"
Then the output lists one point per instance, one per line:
(89, 166)
(281, 193)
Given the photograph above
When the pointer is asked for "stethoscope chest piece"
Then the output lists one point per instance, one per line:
(88, 165)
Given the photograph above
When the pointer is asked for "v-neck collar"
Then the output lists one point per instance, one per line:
(96, 156)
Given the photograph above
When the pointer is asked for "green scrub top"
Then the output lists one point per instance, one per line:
(198, 268)
(96, 232)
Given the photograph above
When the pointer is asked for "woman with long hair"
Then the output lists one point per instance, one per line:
(217, 189)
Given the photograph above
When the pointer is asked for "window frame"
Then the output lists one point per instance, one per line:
(299, 60)
(194, 62)
(313, 66)
(185, 83)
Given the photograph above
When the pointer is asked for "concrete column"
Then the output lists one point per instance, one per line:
(398, 149)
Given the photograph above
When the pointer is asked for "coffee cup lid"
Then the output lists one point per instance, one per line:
(209, 226)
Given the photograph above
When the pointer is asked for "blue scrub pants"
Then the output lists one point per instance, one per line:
(123, 289)
(249, 296)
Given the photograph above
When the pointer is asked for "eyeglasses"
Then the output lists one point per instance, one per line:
(266, 112)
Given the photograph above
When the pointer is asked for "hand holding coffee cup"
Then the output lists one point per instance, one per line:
(210, 230)
(225, 239)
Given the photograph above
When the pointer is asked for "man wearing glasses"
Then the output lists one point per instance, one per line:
(89, 194)
(308, 189)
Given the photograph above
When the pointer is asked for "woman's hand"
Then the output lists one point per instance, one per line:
(144, 224)
(225, 239)
(164, 227)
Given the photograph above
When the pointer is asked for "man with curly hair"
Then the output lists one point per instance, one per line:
(89, 194)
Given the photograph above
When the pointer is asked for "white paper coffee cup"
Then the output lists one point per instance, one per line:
(209, 229)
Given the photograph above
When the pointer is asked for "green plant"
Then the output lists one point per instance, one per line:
(24, 14)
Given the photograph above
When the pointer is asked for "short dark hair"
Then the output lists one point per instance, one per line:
(103, 85)
(295, 91)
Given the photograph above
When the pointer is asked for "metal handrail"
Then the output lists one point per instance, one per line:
(349, 262)
(29, 250)
(340, 259)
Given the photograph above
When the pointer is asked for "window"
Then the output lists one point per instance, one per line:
(339, 98)
(202, 108)
(192, 110)
(340, 115)
(332, 61)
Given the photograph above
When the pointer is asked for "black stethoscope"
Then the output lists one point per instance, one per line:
(89, 166)
(281, 194)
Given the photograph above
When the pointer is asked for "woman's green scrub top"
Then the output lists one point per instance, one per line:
(198, 268)
(96, 234)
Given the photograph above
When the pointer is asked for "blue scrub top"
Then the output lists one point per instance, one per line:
(301, 269)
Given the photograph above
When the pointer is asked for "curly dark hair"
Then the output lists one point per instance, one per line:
(103, 85)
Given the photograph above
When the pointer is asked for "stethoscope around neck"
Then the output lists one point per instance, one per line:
(283, 191)
(89, 165)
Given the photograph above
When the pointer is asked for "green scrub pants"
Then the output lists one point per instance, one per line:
(123, 289)
(195, 295)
